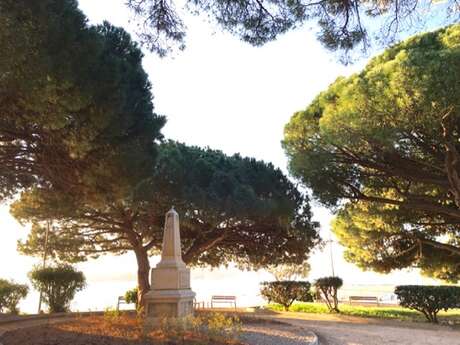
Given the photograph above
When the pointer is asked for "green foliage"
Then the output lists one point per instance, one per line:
(59, 285)
(380, 147)
(428, 300)
(111, 315)
(75, 102)
(286, 292)
(232, 209)
(131, 296)
(342, 25)
(208, 327)
(10, 295)
(398, 313)
(328, 288)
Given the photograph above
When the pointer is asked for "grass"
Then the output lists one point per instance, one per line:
(397, 313)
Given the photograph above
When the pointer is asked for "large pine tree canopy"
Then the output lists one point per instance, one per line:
(75, 102)
(81, 151)
(382, 148)
(232, 209)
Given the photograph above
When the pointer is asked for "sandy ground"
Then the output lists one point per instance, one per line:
(343, 330)
(275, 334)
(335, 330)
(31, 323)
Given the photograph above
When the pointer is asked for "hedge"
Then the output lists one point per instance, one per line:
(428, 299)
(286, 292)
(59, 285)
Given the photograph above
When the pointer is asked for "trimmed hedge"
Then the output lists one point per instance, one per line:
(328, 287)
(428, 299)
(59, 285)
(10, 295)
(286, 292)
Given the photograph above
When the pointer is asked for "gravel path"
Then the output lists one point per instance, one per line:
(342, 330)
(271, 334)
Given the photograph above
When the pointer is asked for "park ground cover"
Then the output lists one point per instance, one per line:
(125, 329)
(393, 312)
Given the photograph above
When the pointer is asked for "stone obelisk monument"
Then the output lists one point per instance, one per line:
(170, 294)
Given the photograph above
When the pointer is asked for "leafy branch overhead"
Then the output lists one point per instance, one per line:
(342, 24)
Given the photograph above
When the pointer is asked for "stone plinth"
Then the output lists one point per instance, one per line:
(170, 295)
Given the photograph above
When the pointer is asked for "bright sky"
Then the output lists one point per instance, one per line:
(225, 94)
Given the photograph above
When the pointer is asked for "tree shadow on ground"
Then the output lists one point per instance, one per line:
(52, 335)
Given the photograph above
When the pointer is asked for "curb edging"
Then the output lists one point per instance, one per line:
(315, 339)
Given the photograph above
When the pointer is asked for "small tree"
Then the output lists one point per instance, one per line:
(428, 300)
(10, 295)
(58, 284)
(286, 292)
(328, 288)
(131, 296)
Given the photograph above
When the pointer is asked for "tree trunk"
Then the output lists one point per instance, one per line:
(143, 272)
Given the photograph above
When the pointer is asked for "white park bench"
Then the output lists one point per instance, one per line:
(364, 299)
(223, 299)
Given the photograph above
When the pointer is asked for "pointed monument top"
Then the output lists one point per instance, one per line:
(171, 252)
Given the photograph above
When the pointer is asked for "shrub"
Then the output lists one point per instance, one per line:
(111, 315)
(428, 300)
(286, 292)
(208, 327)
(131, 296)
(328, 288)
(10, 295)
(59, 285)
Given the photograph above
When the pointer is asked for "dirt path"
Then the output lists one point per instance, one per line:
(343, 330)
(11, 326)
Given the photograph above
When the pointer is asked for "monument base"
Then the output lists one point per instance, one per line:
(161, 304)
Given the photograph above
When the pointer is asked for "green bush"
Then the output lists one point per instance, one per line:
(59, 284)
(208, 327)
(10, 295)
(286, 292)
(328, 288)
(428, 300)
(131, 296)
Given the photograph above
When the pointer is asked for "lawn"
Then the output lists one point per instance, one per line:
(395, 312)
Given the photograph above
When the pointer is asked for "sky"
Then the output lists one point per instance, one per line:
(225, 94)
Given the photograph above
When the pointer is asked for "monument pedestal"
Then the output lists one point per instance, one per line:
(170, 295)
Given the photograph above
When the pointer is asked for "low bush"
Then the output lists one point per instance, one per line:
(428, 300)
(111, 314)
(131, 296)
(286, 292)
(59, 285)
(209, 328)
(10, 295)
(328, 287)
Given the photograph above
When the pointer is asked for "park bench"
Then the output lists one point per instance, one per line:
(364, 299)
(223, 299)
(121, 300)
